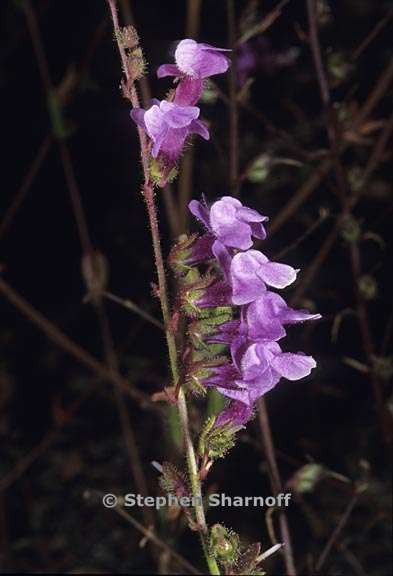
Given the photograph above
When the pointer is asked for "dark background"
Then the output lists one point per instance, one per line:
(57, 444)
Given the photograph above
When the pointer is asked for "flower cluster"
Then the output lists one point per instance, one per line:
(168, 123)
(226, 291)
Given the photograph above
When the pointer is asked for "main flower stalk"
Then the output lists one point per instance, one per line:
(129, 90)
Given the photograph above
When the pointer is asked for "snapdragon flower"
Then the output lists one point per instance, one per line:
(248, 273)
(263, 320)
(196, 60)
(168, 125)
(256, 369)
(194, 63)
(230, 222)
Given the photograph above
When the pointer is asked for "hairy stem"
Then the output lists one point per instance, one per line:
(148, 192)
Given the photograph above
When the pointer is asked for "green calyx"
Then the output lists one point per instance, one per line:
(200, 370)
(160, 174)
(216, 442)
(180, 255)
(224, 544)
(350, 230)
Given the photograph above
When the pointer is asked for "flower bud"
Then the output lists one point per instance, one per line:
(224, 544)
(368, 287)
(350, 229)
(190, 251)
(206, 293)
(173, 482)
(306, 478)
(216, 442)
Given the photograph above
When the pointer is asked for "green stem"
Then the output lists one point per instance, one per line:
(148, 192)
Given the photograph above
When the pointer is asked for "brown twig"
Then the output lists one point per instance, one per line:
(324, 168)
(343, 197)
(88, 251)
(20, 195)
(337, 531)
(69, 346)
(233, 105)
(27, 461)
(126, 303)
(149, 534)
(276, 484)
(65, 96)
(372, 35)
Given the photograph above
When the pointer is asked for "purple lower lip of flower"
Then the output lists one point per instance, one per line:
(251, 271)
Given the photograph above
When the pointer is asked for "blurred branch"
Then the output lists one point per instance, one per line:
(337, 531)
(27, 182)
(233, 105)
(149, 534)
(69, 346)
(126, 303)
(380, 25)
(276, 484)
(88, 252)
(324, 168)
(265, 24)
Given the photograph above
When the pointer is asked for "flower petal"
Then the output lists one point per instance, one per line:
(200, 211)
(168, 70)
(198, 127)
(188, 91)
(262, 324)
(249, 215)
(223, 256)
(236, 414)
(154, 121)
(254, 362)
(178, 116)
(293, 366)
(277, 275)
(227, 227)
(246, 285)
(138, 116)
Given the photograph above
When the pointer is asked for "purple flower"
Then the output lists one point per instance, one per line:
(188, 91)
(196, 60)
(168, 125)
(236, 415)
(256, 369)
(216, 294)
(250, 272)
(230, 222)
(265, 317)
(261, 321)
(258, 362)
(260, 366)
